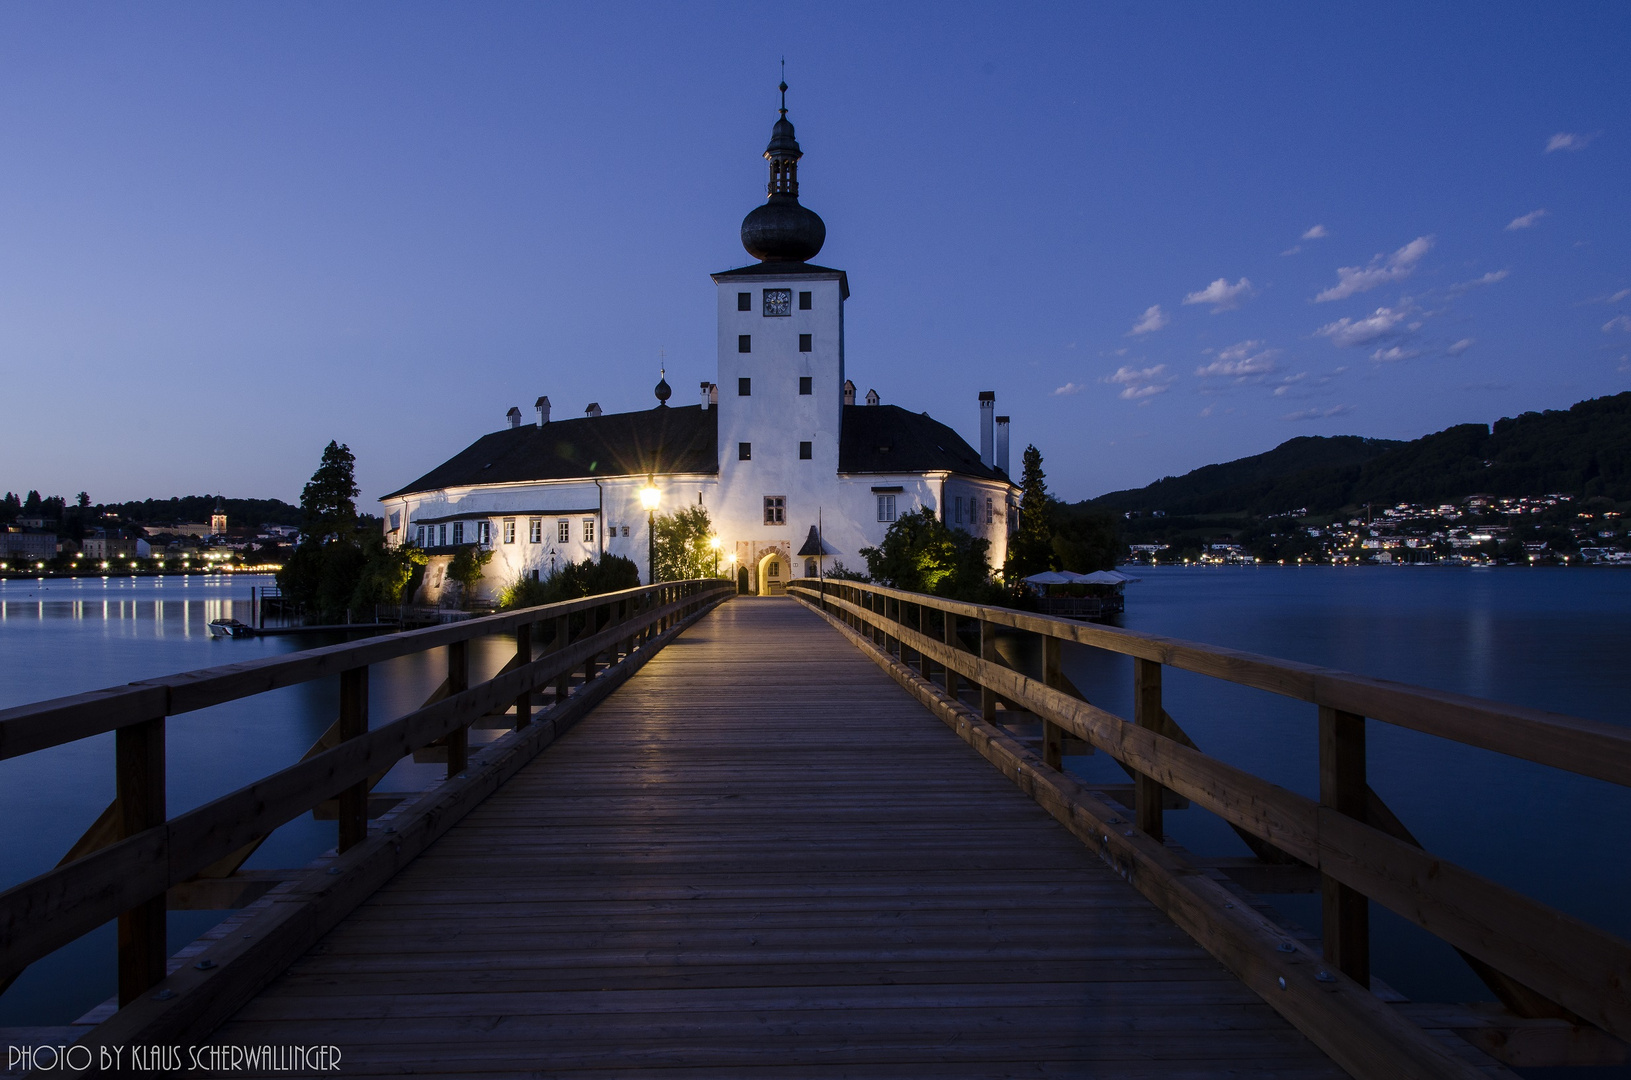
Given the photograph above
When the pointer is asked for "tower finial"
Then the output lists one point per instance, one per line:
(783, 87)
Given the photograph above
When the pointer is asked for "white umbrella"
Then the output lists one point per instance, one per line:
(1053, 577)
(1106, 577)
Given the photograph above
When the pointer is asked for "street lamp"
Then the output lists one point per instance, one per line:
(713, 542)
(649, 498)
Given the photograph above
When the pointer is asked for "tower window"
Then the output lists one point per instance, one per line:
(804, 343)
(805, 451)
(744, 451)
(804, 301)
(778, 301)
(886, 508)
(805, 385)
(744, 301)
(775, 509)
(744, 387)
(744, 342)
(958, 503)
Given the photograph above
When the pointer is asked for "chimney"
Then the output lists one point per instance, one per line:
(988, 409)
(713, 395)
(513, 416)
(542, 405)
(705, 385)
(872, 397)
(593, 409)
(849, 392)
(1002, 444)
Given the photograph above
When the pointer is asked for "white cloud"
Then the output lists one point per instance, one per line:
(1618, 322)
(1221, 295)
(1393, 355)
(1617, 297)
(1245, 359)
(1526, 221)
(1380, 271)
(1318, 414)
(1288, 382)
(1316, 232)
(1460, 347)
(1292, 250)
(1068, 390)
(1345, 331)
(1153, 320)
(1138, 383)
(1462, 287)
(1567, 140)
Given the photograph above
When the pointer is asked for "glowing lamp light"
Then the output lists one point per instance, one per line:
(713, 542)
(104, 564)
(650, 497)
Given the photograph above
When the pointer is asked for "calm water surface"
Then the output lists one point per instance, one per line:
(1553, 639)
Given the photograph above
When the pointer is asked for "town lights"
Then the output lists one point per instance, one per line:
(713, 542)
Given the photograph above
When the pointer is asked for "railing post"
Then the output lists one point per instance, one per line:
(1147, 714)
(353, 724)
(458, 681)
(988, 651)
(922, 628)
(139, 784)
(948, 632)
(1053, 736)
(523, 657)
(563, 638)
(1345, 912)
(591, 628)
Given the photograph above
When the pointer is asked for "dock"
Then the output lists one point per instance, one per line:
(824, 835)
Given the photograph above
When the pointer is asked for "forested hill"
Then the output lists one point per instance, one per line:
(197, 508)
(1584, 451)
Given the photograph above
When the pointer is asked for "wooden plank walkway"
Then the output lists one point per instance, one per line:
(761, 857)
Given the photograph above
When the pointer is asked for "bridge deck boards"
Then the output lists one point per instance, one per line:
(760, 857)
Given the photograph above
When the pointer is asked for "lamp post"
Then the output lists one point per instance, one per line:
(649, 498)
(713, 542)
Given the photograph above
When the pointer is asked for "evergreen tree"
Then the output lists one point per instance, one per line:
(328, 500)
(1031, 550)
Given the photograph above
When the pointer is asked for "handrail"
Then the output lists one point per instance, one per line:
(127, 877)
(43, 724)
(1539, 960)
(1571, 743)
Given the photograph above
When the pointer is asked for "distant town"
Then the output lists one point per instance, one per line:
(53, 536)
(1485, 530)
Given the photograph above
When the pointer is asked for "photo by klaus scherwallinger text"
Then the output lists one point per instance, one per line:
(193, 1060)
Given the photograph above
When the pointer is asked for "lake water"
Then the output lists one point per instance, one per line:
(1554, 639)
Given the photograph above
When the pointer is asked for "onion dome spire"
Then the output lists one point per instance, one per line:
(663, 390)
(781, 230)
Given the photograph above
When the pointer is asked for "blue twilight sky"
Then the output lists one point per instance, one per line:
(1165, 235)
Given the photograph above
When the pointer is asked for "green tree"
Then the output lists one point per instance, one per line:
(1085, 539)
(386, 572)
(682, 550)
(920, 553)
(466, 568)
(591, 577)
(1031, 550)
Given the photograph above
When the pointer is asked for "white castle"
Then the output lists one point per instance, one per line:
(794, 474)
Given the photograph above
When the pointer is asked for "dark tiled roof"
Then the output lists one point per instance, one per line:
(786, 269)
(675, 440)
(876, 439)
(888, 439)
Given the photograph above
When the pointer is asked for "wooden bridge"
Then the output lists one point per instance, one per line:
(826, 835)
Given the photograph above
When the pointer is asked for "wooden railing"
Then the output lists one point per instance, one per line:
(1539, 961)
(136, 854)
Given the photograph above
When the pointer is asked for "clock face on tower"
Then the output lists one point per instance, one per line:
(778, 301)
